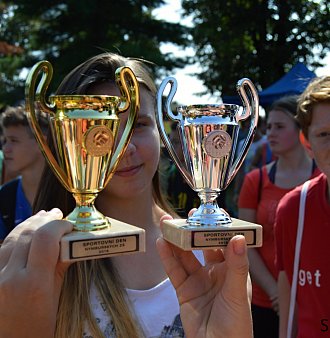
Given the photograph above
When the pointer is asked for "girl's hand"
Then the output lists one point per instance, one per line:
(31, 276)
(215, 298)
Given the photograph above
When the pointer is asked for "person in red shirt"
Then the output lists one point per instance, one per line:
(310, 285)
(260, 194)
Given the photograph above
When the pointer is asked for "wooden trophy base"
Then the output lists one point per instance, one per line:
(189, 237)
(119, 239)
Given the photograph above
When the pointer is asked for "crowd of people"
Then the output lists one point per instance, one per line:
(165, 291)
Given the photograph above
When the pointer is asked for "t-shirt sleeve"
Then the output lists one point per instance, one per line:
(285, 230)
(248, 196)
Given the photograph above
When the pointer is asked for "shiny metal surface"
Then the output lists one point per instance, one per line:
(85, 134)
(208, 135)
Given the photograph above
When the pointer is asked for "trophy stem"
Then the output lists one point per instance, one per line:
(208, 197)
(85, 217)
(209, 213)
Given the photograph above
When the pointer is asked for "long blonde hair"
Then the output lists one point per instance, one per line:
(74, 312)
(74, 308)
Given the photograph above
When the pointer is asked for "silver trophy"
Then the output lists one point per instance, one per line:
(208, 135)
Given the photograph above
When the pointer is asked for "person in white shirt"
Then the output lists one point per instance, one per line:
(129, 295)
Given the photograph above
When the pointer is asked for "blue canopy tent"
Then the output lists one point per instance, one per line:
(292, 83)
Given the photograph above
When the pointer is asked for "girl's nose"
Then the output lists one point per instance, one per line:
(131, 148)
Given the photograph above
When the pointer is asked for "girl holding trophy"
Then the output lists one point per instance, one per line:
(125, 295)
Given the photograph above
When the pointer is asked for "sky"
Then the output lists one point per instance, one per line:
(185, 94)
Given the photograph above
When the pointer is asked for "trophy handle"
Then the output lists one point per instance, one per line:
(160, 122)
(249, 109)
(38, 96)
(129, 88)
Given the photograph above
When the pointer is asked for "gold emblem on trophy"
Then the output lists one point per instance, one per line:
(85, 134)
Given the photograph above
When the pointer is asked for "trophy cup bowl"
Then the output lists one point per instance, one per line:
(88, 148)
(208, 136)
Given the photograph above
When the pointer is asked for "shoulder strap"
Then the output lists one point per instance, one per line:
(272, 172)
(300, 229)
(8, 203)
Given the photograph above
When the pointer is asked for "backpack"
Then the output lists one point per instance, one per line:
(8, 203)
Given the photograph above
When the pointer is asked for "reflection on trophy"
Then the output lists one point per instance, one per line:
(208, 135)
(87, 151)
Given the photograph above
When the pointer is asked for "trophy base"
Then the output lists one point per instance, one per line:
(118, 239)
(189, 237)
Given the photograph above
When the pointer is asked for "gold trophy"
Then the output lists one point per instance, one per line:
(208, 135)
(84, 129)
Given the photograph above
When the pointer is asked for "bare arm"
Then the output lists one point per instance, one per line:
(259, 272)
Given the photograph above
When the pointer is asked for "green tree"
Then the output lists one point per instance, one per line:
(67, 32)
(258, 39)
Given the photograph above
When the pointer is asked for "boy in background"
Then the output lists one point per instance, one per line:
(304, 274)
(23, 156)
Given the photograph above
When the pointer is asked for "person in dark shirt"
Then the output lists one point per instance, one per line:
(23, 156)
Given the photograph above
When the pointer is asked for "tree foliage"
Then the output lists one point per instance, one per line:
(258, 39)
(67, 32)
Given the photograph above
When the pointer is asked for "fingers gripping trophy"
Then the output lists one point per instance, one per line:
(208, 135)
(88, 149)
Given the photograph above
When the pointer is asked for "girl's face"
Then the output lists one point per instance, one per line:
(138, 165)
(282, 132)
